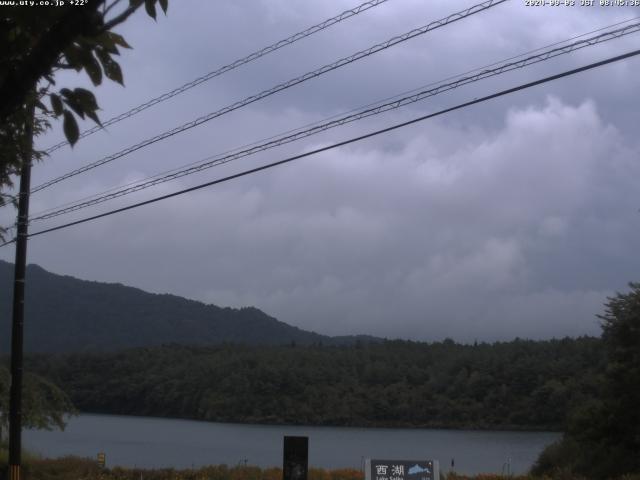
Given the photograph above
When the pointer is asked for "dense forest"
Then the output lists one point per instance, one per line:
(513, 385)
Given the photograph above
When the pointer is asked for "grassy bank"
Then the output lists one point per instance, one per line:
(75, 468)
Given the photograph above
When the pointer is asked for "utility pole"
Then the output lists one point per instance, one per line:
(17, 325)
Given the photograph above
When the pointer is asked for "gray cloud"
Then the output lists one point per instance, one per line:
(513, 218)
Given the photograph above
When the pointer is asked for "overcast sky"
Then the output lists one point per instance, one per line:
(514, 217)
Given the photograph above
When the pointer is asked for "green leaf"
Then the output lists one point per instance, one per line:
(56, 104)
(87, 100)
(111, 69)
(150, 7)
(119, 40)
(106, 42)
(94, 116)
(92, 67)
(70, 127)
(164, 4)
(71, 100)
(103, 55)
(73, 55)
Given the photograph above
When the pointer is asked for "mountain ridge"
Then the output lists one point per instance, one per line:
(67, 314)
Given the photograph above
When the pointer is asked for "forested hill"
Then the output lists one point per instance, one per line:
(519, 384)
(65, 314)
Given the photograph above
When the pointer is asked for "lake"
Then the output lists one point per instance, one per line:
(155, 442)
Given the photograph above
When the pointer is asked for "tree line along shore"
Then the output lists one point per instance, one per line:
(521, 384)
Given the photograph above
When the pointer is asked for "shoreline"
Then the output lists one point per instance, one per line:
(488, 428)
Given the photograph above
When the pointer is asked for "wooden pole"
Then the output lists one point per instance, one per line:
(17, 325)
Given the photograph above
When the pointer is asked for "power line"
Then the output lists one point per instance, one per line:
(454, 17)
(345, 142)
(318, 122)
(233, 65)
(217, 160)
(237, 63)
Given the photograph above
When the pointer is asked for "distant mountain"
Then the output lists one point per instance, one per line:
(66, 314)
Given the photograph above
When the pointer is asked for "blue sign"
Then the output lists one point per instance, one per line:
(402, 470)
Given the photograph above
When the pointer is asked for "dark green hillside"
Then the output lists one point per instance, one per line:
(519, 384)
(65, 314)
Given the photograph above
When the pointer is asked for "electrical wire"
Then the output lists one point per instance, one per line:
(227, 68)
(454, 17)
(317, 122)
(345, 142)
(217, 160)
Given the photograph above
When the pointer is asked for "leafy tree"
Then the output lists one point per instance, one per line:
(35, 43)
(603, 436)
(45, 406)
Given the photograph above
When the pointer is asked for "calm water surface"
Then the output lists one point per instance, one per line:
(155, 442)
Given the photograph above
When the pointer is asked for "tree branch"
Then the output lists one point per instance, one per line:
(62, 66)
(119, 18)
(107, 9)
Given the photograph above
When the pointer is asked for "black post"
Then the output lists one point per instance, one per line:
(295, 458)
(15, 399)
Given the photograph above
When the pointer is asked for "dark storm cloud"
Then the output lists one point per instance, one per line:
(515, 217)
